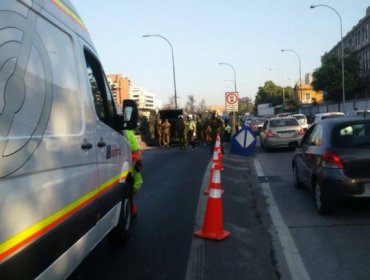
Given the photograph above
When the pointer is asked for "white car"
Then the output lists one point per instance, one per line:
(302, 120)
(328, 115)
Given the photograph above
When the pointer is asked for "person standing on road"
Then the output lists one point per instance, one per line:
(227, 132)
(191, 131)
(181, 128)
(166, 133)
(216, 127)
(136, 156)
(158, 129)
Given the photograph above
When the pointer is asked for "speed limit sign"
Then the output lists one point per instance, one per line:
(231, 101)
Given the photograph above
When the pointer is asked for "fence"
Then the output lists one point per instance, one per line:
(350, 105)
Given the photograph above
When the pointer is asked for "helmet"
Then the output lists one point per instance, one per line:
(180, 116)
(190, 116)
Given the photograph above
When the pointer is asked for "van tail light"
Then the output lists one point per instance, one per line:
(269, 134)
(331, 160)
(301, 131)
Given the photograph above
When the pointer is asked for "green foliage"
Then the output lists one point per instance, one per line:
(272, 93)
(329, 77)
(245, 105)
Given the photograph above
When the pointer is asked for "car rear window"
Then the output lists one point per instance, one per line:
(331, 116)
(352, 135)
(284, 122)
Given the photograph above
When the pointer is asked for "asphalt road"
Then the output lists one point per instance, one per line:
(163, 231)
(331, 247)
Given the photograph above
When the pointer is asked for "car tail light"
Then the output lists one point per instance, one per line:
(332, 160)
(269, 134)
(301, 131)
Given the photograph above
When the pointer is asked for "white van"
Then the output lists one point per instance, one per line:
(65, 168)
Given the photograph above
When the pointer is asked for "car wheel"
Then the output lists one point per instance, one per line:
(322, 202)
(296, 181)
(120, 234)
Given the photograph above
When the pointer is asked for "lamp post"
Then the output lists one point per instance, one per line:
(228, 64)
(342, 47)
(235, 90)
(300, 69)
(283, 86)
(173, 62)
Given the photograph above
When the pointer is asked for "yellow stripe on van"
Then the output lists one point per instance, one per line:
(69, 12)
(40, 228)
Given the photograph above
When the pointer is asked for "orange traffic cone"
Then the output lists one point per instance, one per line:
(215, 166)
(217, 159)
(213, 219)
(218, 145)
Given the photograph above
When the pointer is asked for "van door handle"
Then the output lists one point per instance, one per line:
(86, 146)
(101, 144)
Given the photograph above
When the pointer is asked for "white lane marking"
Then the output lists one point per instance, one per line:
(293, 259)
(195, 268)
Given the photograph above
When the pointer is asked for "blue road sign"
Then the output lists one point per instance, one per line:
(243, 142)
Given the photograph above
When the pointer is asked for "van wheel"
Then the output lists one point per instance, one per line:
(322, 202)
(298, 184)
(120, 234)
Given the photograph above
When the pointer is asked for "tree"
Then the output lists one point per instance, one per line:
(271, 93)
(245, 105)
(190, 107)
(202, 107)
(170, 104)
(329, 77)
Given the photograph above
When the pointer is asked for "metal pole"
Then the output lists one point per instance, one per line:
(173, 62)
(342, 47)
(300, 69)
(233, 113)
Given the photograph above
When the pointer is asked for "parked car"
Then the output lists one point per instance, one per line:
(333, 161)
(302, 120)
(283, 132)
(328, 115)
(358, 113)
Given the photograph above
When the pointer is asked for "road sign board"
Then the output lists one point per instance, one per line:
(231, 101)
(243, 142)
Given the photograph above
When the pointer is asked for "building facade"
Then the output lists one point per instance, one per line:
(307, 95)
(120, 87)
(145, 100)
(357, 41)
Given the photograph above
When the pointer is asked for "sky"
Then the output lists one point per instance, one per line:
(248, 34)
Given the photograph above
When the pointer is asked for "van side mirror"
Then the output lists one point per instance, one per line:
(130, 114)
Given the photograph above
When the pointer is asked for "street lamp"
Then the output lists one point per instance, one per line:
(233, 113)
(228, 64)
(341, 40)
(300, 69)
(282, 77)
(173, 62)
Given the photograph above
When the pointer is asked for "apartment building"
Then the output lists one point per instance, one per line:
(145, 100)
(357, 41)
(120, 87)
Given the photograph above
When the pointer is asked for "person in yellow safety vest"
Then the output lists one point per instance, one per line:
(136, 156)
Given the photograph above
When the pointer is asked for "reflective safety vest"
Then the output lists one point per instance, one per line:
(134, 145)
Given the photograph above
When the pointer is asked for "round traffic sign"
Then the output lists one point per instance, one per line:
(231, 98)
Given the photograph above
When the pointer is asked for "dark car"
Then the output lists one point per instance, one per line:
(333, 160)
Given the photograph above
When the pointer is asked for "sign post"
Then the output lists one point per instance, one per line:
(232, 105)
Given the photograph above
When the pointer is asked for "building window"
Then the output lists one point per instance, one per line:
(308, 97)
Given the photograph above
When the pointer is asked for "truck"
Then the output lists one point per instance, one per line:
(66, 170)
(265, 110)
